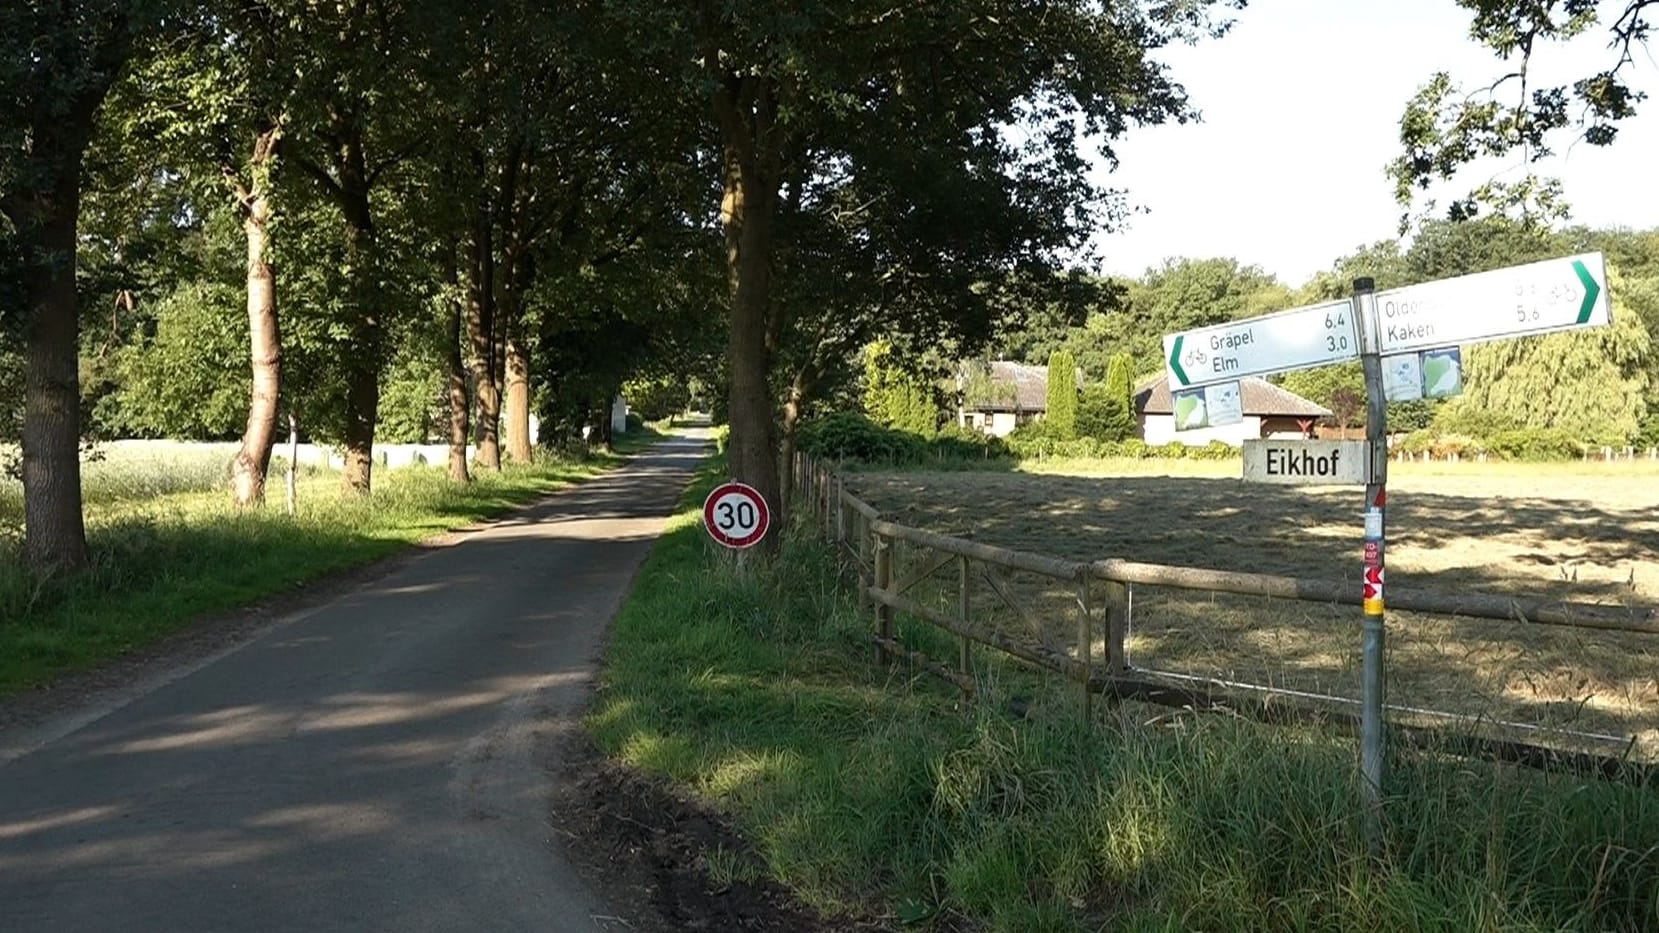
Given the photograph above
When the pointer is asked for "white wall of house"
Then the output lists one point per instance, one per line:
(1160, 429)
(619, 416)
(996, 423)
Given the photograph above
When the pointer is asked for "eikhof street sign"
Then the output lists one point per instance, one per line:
(1307, 463)
(1537, 298)
(1296, 339)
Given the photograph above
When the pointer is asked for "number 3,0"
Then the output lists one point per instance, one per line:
(740, 514)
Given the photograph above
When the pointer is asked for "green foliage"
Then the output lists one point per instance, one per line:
(1062, 395)
(1036, 441)
(1120, 379)
(657, 398)
(1104, 416)
(635, 422)
(1535, 444)
(413, 407)
(1445, 128)
(894, 395)
(190, 381)
(754, 692)
(849, 437)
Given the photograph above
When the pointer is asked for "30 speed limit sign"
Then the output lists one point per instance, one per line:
(736, 515)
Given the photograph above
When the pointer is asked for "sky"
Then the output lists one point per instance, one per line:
(1301, 104)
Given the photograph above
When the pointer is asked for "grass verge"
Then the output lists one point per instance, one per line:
(865, 790)
(162, 557)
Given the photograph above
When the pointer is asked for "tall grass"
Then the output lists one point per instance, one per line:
(756, 691)
(168, 547)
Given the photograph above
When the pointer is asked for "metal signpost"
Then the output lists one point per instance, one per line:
(1372, 760)
(1415, 331)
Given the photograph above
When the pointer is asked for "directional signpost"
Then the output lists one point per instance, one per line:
(1301, 338)
(1415, 331)
(1537, 298)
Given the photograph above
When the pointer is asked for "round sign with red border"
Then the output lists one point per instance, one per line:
(736, 515)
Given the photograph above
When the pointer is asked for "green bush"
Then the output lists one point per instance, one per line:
(1535, 444)
(634, 423)
(1104, 417)
(1214, 450)
(852, 437)
(954, 442)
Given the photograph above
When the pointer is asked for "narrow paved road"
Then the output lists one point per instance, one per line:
(380, 762)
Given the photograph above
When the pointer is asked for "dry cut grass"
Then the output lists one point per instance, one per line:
(1585, 532)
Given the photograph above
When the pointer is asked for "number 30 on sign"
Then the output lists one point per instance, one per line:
(736, 515)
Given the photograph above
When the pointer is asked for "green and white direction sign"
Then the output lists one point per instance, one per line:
(1300, 338)
(1537, 298)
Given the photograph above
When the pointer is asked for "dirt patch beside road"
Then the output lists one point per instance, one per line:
(639, 843)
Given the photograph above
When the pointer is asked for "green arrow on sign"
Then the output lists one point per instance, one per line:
(1591, 291)
(1175, 361)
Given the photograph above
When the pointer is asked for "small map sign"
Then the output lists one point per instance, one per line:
(1408, 377)
(1307, 463)
(736, 515)
(1211, 406)
(1537, 298)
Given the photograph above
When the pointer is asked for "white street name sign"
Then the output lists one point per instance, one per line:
(1297, 339)
(1307, 463)
(1537, 298)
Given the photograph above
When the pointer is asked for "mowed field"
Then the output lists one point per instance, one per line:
(1582, 531)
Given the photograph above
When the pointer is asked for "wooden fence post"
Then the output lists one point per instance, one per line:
(963, 607)
(1085, 641)
(1117, 628)
(840, 510)
(884, 579)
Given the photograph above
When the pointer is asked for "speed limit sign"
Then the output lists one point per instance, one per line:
(736, 515)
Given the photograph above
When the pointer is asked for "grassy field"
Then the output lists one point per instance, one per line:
(1568, 531)
(876, 791)
(168, 547)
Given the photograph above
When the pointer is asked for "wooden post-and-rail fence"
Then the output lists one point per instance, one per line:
(1104, 600)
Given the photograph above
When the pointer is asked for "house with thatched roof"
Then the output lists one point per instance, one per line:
(999, 396)
(1269, 411)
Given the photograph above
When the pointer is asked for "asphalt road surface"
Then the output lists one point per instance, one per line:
(382, 761)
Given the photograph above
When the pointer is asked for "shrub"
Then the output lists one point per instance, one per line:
(634, 423)
(1535, 444)
(848, 436)
(955, 442)
(1214, 450)
(1103, 416)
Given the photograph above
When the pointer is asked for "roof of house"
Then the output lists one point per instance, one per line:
(1261, 398)
(1030, 385)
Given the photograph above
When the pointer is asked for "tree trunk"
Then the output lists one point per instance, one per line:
(459, 411)
(54, 531)
(364, 347)
(800, 390)
(518, 401)
(362, 408)
(748, 206)
(74, 59)
(515, 356)
(481, 331)
(253, 459)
